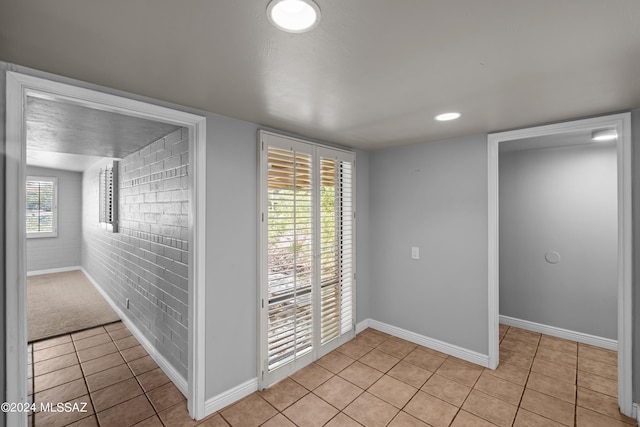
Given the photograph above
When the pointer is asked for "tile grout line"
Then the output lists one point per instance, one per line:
(75, 351)
(419, 389)
(529, 375)
(524, 387)
(84, 378)
(155, 413)
(387, 374)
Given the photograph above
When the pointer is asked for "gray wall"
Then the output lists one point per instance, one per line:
(64, 250)
(565, 200)
(147, 259)
(231, 254)
(433, 196)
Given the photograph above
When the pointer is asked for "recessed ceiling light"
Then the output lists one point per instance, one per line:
(293, 16)
(447, 116)
(604, 135)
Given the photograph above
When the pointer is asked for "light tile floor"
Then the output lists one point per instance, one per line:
(374, 380)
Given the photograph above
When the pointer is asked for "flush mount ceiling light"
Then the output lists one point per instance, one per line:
(604, 135)
(293, 16)
(445, 117)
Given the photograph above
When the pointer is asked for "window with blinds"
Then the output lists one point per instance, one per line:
(42, 206)
(306, 253)
(290, 255)
(108, 196)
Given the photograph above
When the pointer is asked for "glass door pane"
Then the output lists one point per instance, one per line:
(289, 256)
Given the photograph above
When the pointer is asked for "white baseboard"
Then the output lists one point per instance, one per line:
(561, 333)
(242, 390)
(177, 379)
(362, 326)
(441, 346)
(53, 270)
(635, 413)
(230, 396)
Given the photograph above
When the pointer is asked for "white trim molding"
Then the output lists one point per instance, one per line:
(441, 346)
(19, 87)
(361, 326)
(635, 414)
(622, 124)
(230, 396)
(179, 381)
(567, 334)
(53, 270)
(234, 394)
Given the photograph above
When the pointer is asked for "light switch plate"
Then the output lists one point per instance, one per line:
(415, 252)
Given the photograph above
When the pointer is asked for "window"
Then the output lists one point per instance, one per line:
(42, 206)
(108, 197)
(307, 262)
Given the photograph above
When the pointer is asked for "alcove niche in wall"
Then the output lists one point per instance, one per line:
(621, 123)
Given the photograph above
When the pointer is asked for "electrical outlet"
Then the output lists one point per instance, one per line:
(126, 303)
(415, 252)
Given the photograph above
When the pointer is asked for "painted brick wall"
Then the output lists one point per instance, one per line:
(147, 260)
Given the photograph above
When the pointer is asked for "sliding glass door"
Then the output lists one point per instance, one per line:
(306, 268)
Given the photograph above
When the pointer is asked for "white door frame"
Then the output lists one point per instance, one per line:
(622, 124)
(19, 86)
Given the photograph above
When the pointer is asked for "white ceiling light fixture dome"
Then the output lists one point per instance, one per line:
(293, 16)
(445, 117)
(604, 135)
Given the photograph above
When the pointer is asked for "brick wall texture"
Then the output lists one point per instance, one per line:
(147, 259)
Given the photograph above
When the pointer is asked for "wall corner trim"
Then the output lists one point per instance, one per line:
(607, 343)
(362, 326)
(228, 397)
(635, 412)
(441, 346)
(53, 270)
(172, 373)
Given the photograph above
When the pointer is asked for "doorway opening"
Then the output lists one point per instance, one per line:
(621, 124)
(21, 88)
(77, 196)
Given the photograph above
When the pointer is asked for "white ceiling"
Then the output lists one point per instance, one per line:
(64, 161)
(62, 135)
(372, 74)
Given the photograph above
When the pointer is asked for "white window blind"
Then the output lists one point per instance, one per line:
(307, 253)
(42, 206)
(290, 256)
(336, 248)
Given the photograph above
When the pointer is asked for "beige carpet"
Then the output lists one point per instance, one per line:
(61, 303)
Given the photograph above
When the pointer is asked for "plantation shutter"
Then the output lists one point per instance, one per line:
(306, 253)
(108, 197)
(290, 256)
(336, 251)
(41, 194)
